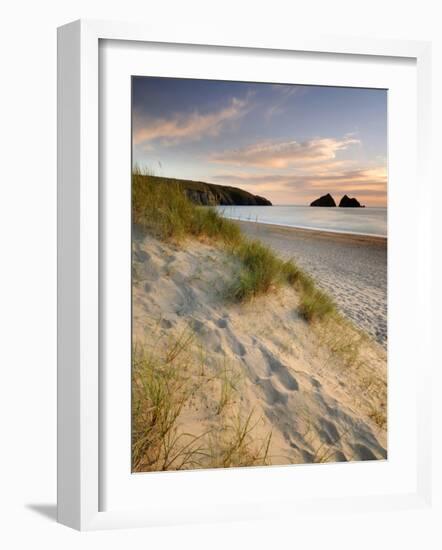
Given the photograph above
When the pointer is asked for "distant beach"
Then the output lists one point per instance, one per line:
(352, 268)
(358, 221)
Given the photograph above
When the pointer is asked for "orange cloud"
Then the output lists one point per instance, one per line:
(283, 154)
(368, 184)
(189, 127)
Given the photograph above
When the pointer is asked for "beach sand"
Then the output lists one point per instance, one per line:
(306, 398)
(351, 268)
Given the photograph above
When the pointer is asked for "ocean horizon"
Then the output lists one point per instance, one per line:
(370, 221)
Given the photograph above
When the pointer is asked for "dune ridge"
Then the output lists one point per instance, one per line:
(351, 268)
(301, 397)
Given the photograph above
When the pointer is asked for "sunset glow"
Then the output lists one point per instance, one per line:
(289, 143)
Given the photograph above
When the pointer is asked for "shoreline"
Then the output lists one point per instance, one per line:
(313, 229)
(345, 235)
(351, 268)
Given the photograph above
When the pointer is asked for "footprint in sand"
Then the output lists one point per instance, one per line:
(330, 429)
(170, 259)
(307, 456)
(315, 383)
(328, 433)
(221, 323)
(177, 277)
(272, 395)
(146, 268)
(141, 256)
(165, 323)
(209, 336)
(197, 325)
(280, 371)
(361, 452)
(236, 346)
(338, 456)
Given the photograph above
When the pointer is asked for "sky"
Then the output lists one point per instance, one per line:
(289, 143)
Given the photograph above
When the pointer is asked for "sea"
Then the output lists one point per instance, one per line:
(358, 221)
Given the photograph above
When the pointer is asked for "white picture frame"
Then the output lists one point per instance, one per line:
(79, 274)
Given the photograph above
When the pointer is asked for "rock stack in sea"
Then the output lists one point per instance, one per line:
(345, 202)
(350, 202)
(325, 200)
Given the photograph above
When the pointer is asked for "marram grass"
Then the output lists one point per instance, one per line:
(164, 210)
(163, 384)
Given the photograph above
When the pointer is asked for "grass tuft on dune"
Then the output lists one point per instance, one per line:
(164, 210)
(165, 384)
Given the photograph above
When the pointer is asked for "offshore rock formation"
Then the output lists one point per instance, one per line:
(325, 200)
(347, 202)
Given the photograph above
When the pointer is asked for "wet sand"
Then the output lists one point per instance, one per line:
(352, 268)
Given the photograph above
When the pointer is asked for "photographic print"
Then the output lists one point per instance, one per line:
(259, 274)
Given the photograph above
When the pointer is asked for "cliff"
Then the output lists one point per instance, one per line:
(211, 194)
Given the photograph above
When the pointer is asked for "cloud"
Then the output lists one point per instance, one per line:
(282, 154)
(283, 93)
(186, 127)
(367, 178)
(367, 184)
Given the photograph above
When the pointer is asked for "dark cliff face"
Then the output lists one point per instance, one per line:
(210, 194)
(347, 202)
(325, 200)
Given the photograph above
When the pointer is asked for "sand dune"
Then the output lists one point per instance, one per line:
(351, 268)
(317, 404)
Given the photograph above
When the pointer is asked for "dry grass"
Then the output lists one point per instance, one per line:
(235, 445)
(315, 304)
(160, 390)
(164, 210)
(229, 386)
(379, 417)
(343, 339)
(322, 451)
(260, 271)
(164, 385)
